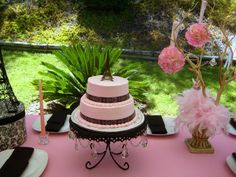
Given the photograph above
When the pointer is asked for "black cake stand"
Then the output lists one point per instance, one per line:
(81, 132)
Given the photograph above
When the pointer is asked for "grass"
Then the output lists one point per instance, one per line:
(23, 67)
(164, 88)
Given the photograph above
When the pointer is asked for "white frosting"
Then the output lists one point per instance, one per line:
(106, 88)
(106, 111)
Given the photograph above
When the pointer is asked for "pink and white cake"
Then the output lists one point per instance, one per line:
(106, 104)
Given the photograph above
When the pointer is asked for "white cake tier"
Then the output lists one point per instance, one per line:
(106, 111)
(106, 88)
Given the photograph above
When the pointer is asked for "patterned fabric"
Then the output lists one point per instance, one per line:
(13, 134)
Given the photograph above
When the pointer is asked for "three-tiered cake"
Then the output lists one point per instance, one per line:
(106, 104)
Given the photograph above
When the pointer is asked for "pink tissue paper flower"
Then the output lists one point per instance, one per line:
(197, 35)
(202, 112)
(171, 60)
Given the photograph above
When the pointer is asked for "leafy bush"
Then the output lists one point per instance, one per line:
(223, 11)
(115, 5)
(20, 20)
(2, 3)
(66, 87)
(65, 34)
(217, 10)
(65, 22)
(168, 6)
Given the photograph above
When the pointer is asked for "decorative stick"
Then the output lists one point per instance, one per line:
(42, 123)
(173, 33)
(176, 26)
(203, 8)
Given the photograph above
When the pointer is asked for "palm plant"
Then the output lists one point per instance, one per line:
(67, 85)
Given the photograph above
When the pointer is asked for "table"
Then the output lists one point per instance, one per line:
(164, 157)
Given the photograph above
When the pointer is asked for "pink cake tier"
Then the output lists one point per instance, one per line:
(106, 103)
(106, 111)
(106, 88)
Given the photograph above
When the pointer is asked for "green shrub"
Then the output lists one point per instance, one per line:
(223, 12)
(2, 3)
(67, 86)
(19, 20)
(115, 5)
(64, 22)
(169, 7)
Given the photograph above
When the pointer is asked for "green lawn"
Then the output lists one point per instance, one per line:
(164, 88)
(23, 67)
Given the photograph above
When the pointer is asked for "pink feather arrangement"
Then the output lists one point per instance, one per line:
(199, 111)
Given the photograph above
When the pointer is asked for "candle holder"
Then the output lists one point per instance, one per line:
(125, 137)
(43, 139)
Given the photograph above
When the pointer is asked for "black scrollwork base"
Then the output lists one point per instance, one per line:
(125, 165)
(89, 164)
(108, 138)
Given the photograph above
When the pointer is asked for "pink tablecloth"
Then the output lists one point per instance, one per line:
(164, 157)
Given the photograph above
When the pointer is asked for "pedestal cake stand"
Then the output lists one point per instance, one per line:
(108, 136)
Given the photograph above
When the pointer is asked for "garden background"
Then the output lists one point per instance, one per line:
(137, 25)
